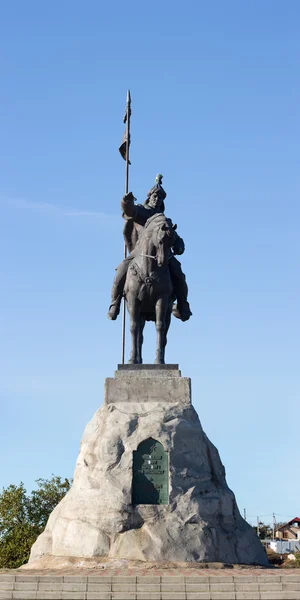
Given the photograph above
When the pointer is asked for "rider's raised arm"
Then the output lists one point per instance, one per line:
(127, 205)
(137, 212)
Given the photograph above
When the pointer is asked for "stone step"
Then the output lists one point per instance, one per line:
(239, 587)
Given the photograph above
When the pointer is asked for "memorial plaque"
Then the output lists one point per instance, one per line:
(150, 481)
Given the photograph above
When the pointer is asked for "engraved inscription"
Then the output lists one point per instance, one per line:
(150, 481)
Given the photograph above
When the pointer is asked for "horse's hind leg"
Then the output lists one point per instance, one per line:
(161, 330)
(140, 340)
(134, 312)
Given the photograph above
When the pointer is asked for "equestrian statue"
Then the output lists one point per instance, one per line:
(150, 278)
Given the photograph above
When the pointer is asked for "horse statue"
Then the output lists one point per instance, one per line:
(148, 288)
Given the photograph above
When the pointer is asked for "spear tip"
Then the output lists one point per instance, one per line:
(128, 97)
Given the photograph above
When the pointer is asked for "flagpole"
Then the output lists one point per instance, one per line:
(127, 117)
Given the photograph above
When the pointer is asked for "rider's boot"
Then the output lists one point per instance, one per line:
(114, 308)
(117, 289)
(182, 310)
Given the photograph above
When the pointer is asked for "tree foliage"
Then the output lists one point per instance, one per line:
(265, 531)
(23, 517)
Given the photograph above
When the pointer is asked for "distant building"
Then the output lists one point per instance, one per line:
(289, 531)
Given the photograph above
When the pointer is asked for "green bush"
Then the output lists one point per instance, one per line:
(23, 517)
(297, 561)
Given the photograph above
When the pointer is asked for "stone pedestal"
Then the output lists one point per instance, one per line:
(146, 443)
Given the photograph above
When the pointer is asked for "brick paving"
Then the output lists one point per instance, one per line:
(193, 584)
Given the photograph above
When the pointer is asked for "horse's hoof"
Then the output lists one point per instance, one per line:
(159, 361)
(133, 362)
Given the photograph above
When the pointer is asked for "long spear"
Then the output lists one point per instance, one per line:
(124, 150)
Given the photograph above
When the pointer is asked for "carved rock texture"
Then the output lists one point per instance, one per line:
(200, 523)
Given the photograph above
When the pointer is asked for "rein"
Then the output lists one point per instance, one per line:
(149, 256)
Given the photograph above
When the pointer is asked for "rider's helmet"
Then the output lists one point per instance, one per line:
(160, 191)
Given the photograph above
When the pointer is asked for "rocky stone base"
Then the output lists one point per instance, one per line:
(201, 521)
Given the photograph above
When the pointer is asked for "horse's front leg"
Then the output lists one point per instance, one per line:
(168, 321)
(161, 329)
(134, 312)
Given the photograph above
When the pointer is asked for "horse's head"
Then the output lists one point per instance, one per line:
(165, 239)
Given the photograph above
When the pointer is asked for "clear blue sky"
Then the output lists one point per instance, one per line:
(215, 108)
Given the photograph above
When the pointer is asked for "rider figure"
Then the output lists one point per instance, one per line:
(136, 216)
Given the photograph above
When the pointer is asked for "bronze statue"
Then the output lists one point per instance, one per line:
(148, 288)
(136, 217)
